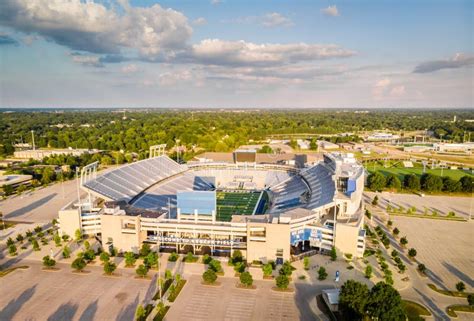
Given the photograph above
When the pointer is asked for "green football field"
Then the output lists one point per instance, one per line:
(399, 170)
(234, 203)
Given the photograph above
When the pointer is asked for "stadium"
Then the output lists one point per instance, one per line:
(268, 211)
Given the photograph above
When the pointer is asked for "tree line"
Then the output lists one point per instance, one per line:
(377, 181)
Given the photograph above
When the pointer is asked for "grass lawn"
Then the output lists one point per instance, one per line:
(415, 311)
(235, 203)
(398, 169)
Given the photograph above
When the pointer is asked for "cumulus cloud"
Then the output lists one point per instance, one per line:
(397, 91)
(172, 78)
(7, 40)
(330, 11)
(459, 60)
(200, 21)
(275, 19)
(380, 88)
(93, 27)
(235, 53)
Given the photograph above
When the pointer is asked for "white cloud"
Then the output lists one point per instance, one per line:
(330, 11)
(459, 60)
(129, 69)
(380, 88)
(86, 60)
(275, 19)
(172, 78)
(200, 21)
(219, 52)
(397, 91)
(216, 2)
(93, 27)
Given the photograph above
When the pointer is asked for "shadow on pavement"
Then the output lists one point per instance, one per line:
(30, 207)
(128, 313)
(65, 312)
(15, 305)
(89, 312)
(461, 275)
(438, 314)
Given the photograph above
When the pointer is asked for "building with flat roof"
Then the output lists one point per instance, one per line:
(267, 211)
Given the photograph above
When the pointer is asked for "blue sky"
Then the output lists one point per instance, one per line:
(119, 53)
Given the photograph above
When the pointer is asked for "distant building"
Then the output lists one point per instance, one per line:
(39, 154)
(327, 145)
(443, 147)
(14, 180)
(382, 137)
(417, 149)
(302, 143)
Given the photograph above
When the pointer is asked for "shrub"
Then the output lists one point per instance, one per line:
(375, 201)
(215, 265)
(151, 260)
(36, 246)
(140, 313)
(89, 255)
(109, 267)
(209, 276)
(29, 233)
(78, 235)
(239, 267)
(145, 250)
(66, 252)
(10, 241)
(368, 271)
(470, 299)
(422, 268)
(189, 257)
(396, 231)
(286, 269)
(141, 271)
(394, 253)
(333, 254)
(65, 237)
(168, 275)
(322, 274)
(104, 257)
(404, 241)
(267, 269)
(412, 253)
(246, 279)
(129, 259)
(87, 245)
(389, 223)
(206, 259)
(79, 264)
(282, 282)
(12, 250)
(57, 239)
(460, 286)
(306, 263)
(236, 257)
(368, 214)
(48, 262)
(20, 238)
(173, 257)
(37, 229)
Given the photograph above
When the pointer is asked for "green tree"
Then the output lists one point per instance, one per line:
(12, 250)
(129, 259)
(353, 300)
(7, 190)
(451, 185)
(375, 201)
(10, 241)
(422, 268)
(282, 281)
(411, 182)
(431, 183)
(20, 238)
(104, 257)
(306, 263)
(385, 303)
(206, 259)
(322, 274)
(239, 267)
(89, 255)
(106, 160)
(396, 231)
(142, 271)
(333, 254)
(376, 181)
(460, 286)
(66, 252)
(65, 237)
(151, 260)
(246, 279)
(368, 271)
(145, 250)
(470, 299)
(79, 264)
(57, 239)
(412, 253)
(467, 184)
(286, 269)
(109, 267)
(209, 276)
(404, 241)
(78, 235)
(173, 257)
(140, 313)
(48, 262)
(215, 265)
(36, 246)
(393, 182)
(267, 269)
(237, 257)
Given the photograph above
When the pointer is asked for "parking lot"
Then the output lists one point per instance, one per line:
(34, 294)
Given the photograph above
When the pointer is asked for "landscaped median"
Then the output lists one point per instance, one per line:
(10, 270)
(440, 217)
(415, 310)
(451, 310)
(450, 293)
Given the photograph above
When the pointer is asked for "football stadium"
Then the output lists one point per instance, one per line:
(267, 210)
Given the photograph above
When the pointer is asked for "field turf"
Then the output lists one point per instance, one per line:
(235, 203)
(400, 171)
